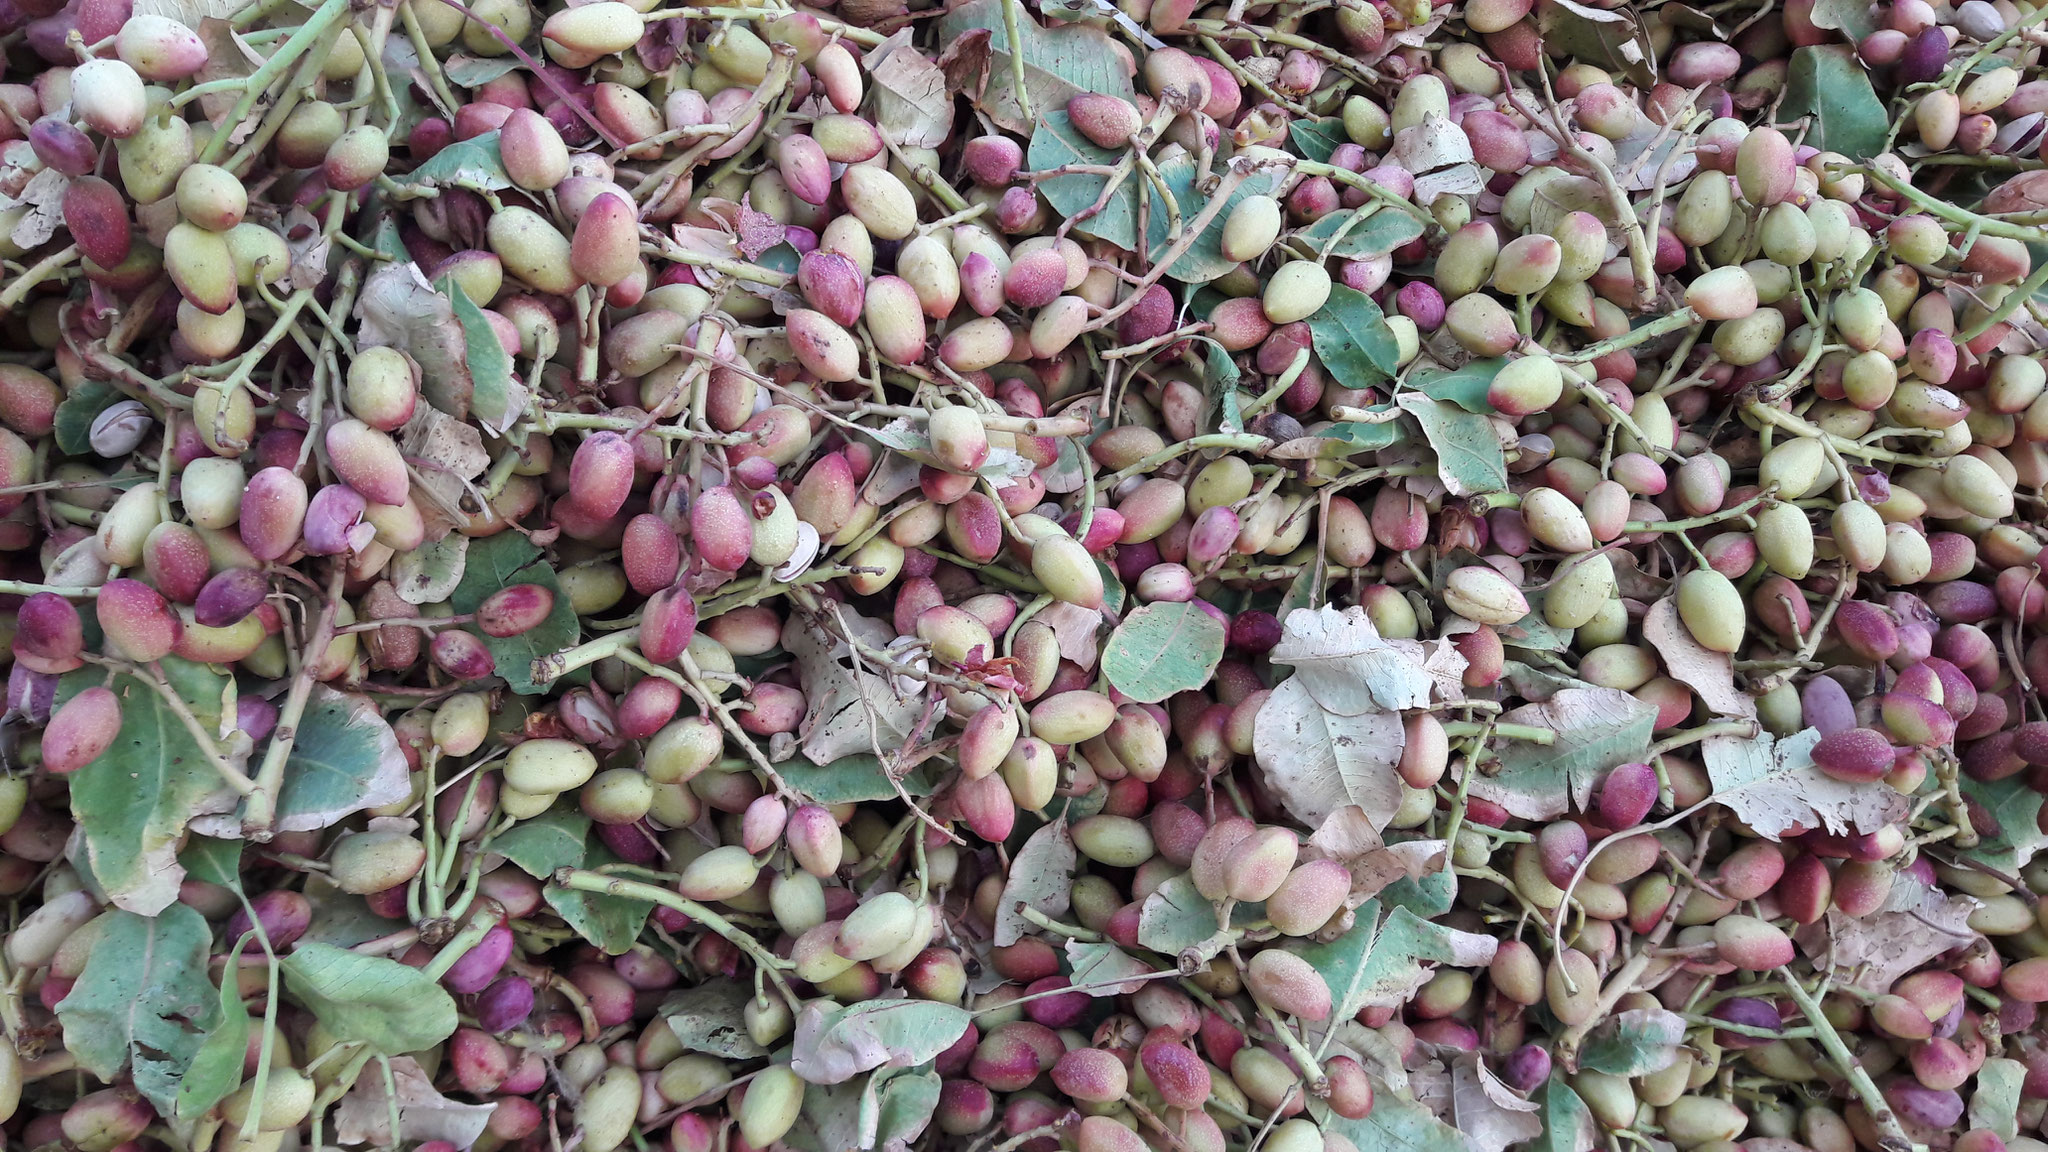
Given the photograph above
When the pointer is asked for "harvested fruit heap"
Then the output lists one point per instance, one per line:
(1333, 576)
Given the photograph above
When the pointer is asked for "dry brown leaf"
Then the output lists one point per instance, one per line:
(1315, 762)
(1774, 787)
(1348, 837)
(852, 707)
(1878, 949)
(1075, 629)
(1709, 673)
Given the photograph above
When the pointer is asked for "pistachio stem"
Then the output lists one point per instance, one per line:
(581, 880)
(261, 806)
(259, 81)
(12, 296)
(1893, 1134)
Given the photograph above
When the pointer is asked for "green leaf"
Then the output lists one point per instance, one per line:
(1352, 339)
(143, 1004)
(711, 1018)
(2014, 810)
(344, 760)
(1223, 374)
(1596, 729)
(852, 779)
(476, 71)
(612, 923)
(1995, 1103)
(493, 392)
(834, 1045)
(500, 561)
(1851, 17)
(552, 840)
(1301, 592)
(1364, 436)
(1113, 595)
(1161, 649)
(213, 861)
(428, 573)
(564, 839)
(1041, 876)
(216, 1067)
(1381, 962)
(903, 1108)
(1059, 63)
(1056, 142)
(1465, 387)
(77, 412)
(1532, 633)
(392, 1007)
(1316, 139)
(1469, 459)
(1428, 897)
(473, 163)
(1397, 1124)
(1176, 917)
(132, 803)
(1096, 969)
(1634, 1043)
(1567, 1122)
(1828, 84)
(1378, 231)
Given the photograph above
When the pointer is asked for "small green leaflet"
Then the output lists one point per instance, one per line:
(500, 561)
(545, 843)
(563, 839)
(1469, 459)
(143, 1002)
(1176, 917)
(853, 779)
(492, 393)
(1381, 962)
(1352, 339)
(902, 1109)
(428, 573)
(1316, 139)
(133, 802)
(1113, 595)
(1466, 387)
(392, 1007)
(1056, 143)
(1161, 649)
(345, 759)
(212, 861)
(1363, 436)
(1223, 374)
(77, 412)
(216, 1068)
(1041, 876)
(1596, 729)
(1377, 231)
(2014, 809)
(835, 1044)
(1567, 1122)
(1828, 84)
(710, 1018)
(1397, 1124)
(1058, 64)
(1995, 1103)
(1634, 1043)
(474, 164)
